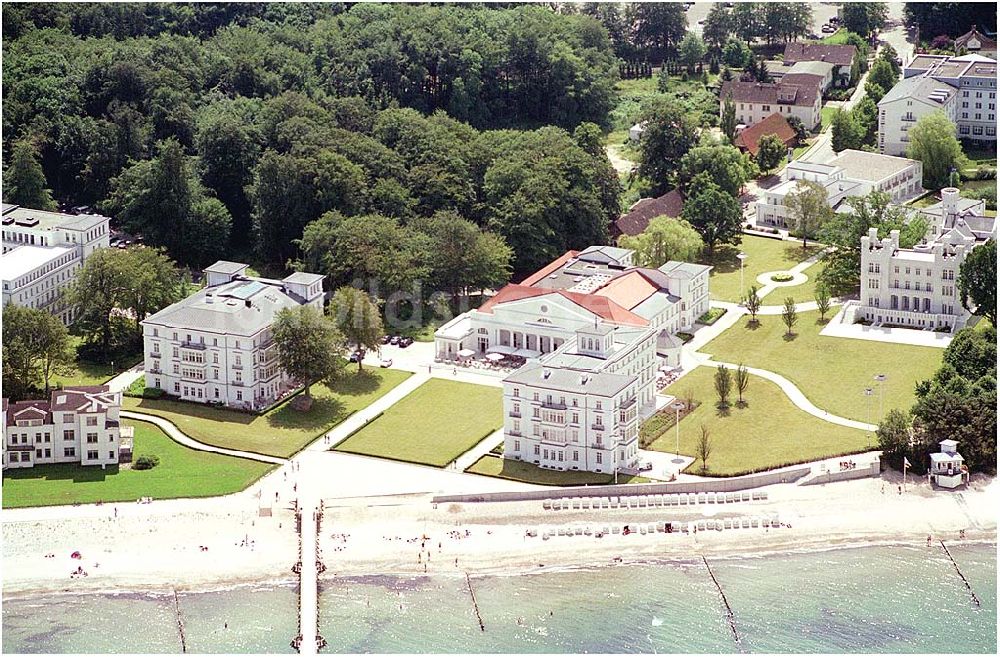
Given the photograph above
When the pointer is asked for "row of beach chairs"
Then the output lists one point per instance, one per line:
(651, 501)
(711, 524)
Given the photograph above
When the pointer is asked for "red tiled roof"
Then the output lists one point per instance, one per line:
(549, 268)
(985, 43)
(775, 124)
(28, 409)
(600, 306)
(801, 95)
(819, 52)
(639, 215)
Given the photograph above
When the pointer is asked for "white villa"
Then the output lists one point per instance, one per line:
(964, 88)
(578, 290)
(216, 345)
(42, 251)
(578, 407)
(917, 288)
(851, 173)
(948, 468)
(76, 425)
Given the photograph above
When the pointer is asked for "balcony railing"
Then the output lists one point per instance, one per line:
(200, 346)
(597, 427)
(514, 413)
(556, 406)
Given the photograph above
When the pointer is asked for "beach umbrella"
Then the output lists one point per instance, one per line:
(76, 555)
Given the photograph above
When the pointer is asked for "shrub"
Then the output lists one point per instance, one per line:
(146, 462)
(153, 393)
(781, 278)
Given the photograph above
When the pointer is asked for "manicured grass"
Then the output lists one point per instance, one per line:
(283, 430)
(831, 372)
(182, 472)
(529, 473)
(838, 38)
(763, 255)
(770, 431)
(801, 293)
(84, 373)
(433, 425)
(927, 200)
(826, 117)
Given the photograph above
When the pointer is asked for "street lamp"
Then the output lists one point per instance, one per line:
(880, 378)
(868, 394)
(678, 406)
(742, 256)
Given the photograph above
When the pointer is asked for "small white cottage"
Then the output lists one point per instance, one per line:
(948, 468)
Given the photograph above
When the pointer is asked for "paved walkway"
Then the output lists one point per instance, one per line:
(837, 329)
(480, 450)
(125, 379)
(179, 436)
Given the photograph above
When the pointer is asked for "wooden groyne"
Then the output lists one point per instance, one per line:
(730, 616)
(475, 605)
(958, 570)
(180, 622)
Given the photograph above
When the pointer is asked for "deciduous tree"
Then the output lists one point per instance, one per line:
(668, 136)
(712, 212)
(664, 239)
(933, 142)
(977, 281)
(822, 297)
(771, 152)
(742, 382)
(310, 349)
(704, 447)
(728, 120)
(752, 302)
(808, 208)
(36, 345)
(723, 385)
(789, 316)
(24, 180)
(357, 317)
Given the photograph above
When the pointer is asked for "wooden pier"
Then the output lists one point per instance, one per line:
(308, 519)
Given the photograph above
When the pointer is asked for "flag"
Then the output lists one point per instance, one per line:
(906, 462)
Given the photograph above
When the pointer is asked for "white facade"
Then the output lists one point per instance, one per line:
(850, 174)
(42, 253)
(964, 88)
(948, 468)
(918, 287)
(76, 425)
(578, 290)
(755, 101)
(579, 407)
(216, 346)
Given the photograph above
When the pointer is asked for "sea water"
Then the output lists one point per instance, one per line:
(884, 599)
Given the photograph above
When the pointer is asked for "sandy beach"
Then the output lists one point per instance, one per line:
(206, 544)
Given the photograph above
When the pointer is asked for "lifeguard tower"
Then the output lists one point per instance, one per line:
(948, 468)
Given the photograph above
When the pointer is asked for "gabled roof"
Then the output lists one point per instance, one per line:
(775, 124)
(605, 254)
(86, 399)
(985, 43)
(628, 290)
(549, 268)
(645, 210)
(819, 52)
(684, 269)
(796, 95)
(924, 89)
(601, 306)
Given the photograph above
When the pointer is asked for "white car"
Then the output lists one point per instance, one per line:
(385, 362)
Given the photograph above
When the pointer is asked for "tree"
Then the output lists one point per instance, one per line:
(742, 382)
(808, 208)
(152, 283)
(865, 114)
(795, 123)
(664, 239)
(882, 74)
(752, 302)
(95, 292)
(24, 180)
(461, 255)
(864, 18)
(658, 27)
(310, 349)
(747, 21)
(704, 448)
(36, 345)
(771, 152)
(357, 317)
(893, 435)
(736, 54)
(972, 353)
(718, 25)
(728, 120)
(889, 55)
(725, 165)
(789, 316)
(933, 142)
(822, 300)
(668, 136)
(723, 385)
(845, 133)
(692, 51)
(977, 281)
(712, 212)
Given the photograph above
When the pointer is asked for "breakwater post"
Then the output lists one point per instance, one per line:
(475, 605)
(180, 622)
(958, 570)
(729, 610)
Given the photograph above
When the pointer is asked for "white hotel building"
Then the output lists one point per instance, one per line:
(578, 408)
(216, 345)
(75, 425)
(918, 287)
(850, 174)
(42, 251)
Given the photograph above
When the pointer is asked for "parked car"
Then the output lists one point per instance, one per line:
(395, 339)
(386, 339)
(834, 20)
(356, 356)
(827, 29)
(385, 362)
(405, 342)
(645, 466)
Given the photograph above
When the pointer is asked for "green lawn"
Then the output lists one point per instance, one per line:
(831, 372)
(494, 466)
(770, 431)
(85, 373)
(826, 117)
(433, 425)
(927, 200)
(182, 472)
(838, 38)
(763, 254)
(801, 293)
(283, 430)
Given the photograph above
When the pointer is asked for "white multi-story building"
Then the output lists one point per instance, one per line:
(577, 290)
(42, 251)
(579, 407)
(918, 287)
(799, 95)
(75, 425)
(851, 173)
(216, 345)
(964, 88)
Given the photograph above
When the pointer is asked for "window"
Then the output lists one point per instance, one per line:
(517, 445)
(91, 438)
(92, 421)
(68, 417)
(599, 457)
(68, 434)
(92, 454)
(517, 392)
(15, 457)
(536, 450)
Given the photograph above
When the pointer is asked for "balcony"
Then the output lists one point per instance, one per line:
(556, 406)
(198, 346)
(514, 433)
(514, 414)
(597, 427)
(628, 404)
(236, 383)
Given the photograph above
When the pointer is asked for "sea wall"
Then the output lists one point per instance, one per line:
(873, 470)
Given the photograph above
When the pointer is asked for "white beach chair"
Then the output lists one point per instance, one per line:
(547, 505)
(763, 495)
(576, 504)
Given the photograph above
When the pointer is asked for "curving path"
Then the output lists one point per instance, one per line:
(793, 393)
(182, 438)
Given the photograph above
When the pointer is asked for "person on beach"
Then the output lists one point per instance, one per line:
(928, 540)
